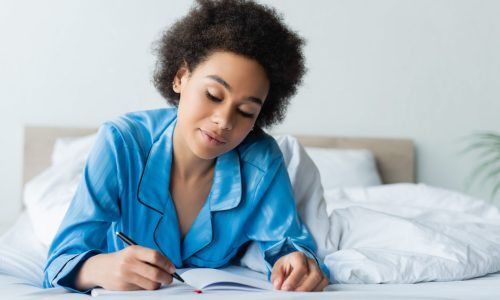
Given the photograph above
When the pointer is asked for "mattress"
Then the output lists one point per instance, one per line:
(25, 256)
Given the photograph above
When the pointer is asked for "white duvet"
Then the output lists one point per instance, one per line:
(406, 233)
(400, 233)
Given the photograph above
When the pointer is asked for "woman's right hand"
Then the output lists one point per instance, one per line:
(132, 268)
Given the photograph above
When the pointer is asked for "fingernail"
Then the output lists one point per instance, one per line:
(171, 269)
(286, 287)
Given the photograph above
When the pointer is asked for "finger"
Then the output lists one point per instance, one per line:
(277, 275)
(154, 258)
(313, 279)
(128, 287)
(143, 282)
(299, 271)
(321, 286)
(154, 273)
(122, 284)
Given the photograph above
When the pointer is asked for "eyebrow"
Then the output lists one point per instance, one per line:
(228, 87)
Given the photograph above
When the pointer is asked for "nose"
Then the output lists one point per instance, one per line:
(223, 117)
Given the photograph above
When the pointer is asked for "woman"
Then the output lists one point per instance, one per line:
(192, 185)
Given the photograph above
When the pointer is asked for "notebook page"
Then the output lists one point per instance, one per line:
(205, 279)
(175, 288)
(229, 278)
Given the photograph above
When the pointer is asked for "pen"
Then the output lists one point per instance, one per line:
(130, 242)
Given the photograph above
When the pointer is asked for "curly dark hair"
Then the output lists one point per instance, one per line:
(242, 27)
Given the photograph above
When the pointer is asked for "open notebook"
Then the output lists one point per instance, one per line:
(205, 280)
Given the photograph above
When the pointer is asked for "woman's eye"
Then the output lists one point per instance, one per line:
(215, 99)
(245, 114)
(212, 97)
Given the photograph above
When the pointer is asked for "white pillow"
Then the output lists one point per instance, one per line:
(47, 196)
(345, 167)
(71, 148)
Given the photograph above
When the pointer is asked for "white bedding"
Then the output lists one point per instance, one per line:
(407, 233)
(485, 288)
(398, 233)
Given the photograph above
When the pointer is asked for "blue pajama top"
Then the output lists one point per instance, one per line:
(125, 187)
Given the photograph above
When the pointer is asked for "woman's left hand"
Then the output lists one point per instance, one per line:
(297, 272)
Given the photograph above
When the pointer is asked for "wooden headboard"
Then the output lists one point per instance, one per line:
(395, 157)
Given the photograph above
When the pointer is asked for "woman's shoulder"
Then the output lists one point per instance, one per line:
(260, 149)
(142, 127)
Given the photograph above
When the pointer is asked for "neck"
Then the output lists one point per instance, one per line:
(185, 164)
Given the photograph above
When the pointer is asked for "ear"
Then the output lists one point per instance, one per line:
(181, 78)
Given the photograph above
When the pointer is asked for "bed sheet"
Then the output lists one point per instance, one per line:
(481, 288)
(25, 282)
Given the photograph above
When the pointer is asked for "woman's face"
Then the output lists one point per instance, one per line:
(219, 102)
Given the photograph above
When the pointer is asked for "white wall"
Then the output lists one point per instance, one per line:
(426, 70)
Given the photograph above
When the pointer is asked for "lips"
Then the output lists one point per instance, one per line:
(213, 137)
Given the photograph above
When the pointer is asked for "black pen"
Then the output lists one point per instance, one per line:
(130, 242)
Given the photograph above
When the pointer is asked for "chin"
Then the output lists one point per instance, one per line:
(207, 154)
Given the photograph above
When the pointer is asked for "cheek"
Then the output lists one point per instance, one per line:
(240, 134)
(191, 107)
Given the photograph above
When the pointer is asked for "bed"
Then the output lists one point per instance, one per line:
(394, 160)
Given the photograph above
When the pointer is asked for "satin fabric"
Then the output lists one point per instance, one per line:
(125, 187)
